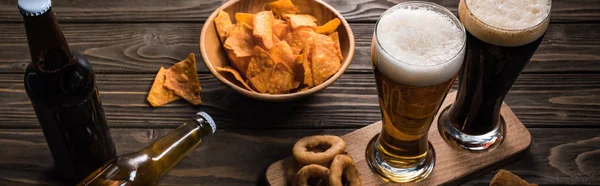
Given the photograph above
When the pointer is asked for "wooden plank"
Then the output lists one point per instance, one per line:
(452, 164)
(556, 156)
(197, 11)
(561, 100)
(143, 48)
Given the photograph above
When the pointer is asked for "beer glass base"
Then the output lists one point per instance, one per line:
(394, 174)
(483, 142)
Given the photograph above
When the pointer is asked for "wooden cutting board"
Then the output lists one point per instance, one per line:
(452, 165)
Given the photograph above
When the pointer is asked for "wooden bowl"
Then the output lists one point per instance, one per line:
(214, 55)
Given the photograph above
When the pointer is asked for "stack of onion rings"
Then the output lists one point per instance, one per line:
(306, 153)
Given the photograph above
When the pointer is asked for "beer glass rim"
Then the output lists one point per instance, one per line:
(511, 30)
(435, 7)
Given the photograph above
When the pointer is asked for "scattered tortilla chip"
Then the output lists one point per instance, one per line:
(279, 79)
(240, 63)
(259, 63)
(280, 28)
(223, 25)
(182, 78)
(328, 27)
(282, 52)
(235, 74)
(240, 40)
(300, 38)
(281, 7)
(325, 62)
(300, 20)
(336, 38)
(159, 95)
(263, 23)
(506, 178)
(244, 18)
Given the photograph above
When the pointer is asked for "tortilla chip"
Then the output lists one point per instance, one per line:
(259, 63)
(235, 74)
(336, 38)
(304, 89)
(239, 63)
(300, 20)
(244, 18)
(282, 52)
(276, 39)
(304, 59)
(182, 78)
(299, 39)
(240, 40)
(280, 28)
(325, 62)
(277, 80)
(263, 23)
(328, 27)
(506, 178)
(159, 95)
(223, 25)
(281, 7)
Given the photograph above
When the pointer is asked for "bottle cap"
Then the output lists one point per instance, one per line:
(34, 7)
(208, 120)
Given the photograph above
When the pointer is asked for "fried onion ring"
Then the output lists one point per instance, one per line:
(344, 166)
(304, 154)
(311, 171)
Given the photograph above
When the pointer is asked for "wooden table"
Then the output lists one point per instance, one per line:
(557, 96)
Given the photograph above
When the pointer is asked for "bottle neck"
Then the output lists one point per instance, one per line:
(47, 45)
(170, 149)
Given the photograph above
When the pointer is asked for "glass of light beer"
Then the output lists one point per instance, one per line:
(417, 51)
(501, 39)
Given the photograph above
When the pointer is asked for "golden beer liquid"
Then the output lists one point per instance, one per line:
(146, 167)
(407, 115)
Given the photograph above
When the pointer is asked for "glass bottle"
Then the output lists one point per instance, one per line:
(145, 167)
(62, 89)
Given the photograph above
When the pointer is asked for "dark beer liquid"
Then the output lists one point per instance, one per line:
(62, 90)
(488, 73)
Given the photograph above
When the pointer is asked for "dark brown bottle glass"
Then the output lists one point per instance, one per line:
(145, 167)
(62, 90)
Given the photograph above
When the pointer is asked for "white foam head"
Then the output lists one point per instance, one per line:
(419, 44)
(505, 22)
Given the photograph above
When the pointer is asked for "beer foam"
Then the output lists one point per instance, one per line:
(419, 44)
(505, 22)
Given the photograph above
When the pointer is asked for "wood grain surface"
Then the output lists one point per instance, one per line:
(551, 159)
(143, 47)
(539, 100)
(198, 11)
(556, 97)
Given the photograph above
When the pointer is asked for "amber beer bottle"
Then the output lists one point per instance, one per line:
(145, 167)
(63, 93)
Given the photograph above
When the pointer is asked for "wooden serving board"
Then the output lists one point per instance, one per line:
(452, 165)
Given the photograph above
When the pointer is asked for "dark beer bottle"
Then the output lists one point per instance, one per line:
(145, 167)
(62, 90)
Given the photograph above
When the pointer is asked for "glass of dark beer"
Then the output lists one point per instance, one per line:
(417, 51)
(501, 39)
